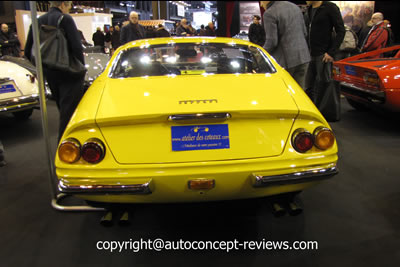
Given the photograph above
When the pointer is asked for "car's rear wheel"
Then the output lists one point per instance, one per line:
(357, 105)
(23, 115)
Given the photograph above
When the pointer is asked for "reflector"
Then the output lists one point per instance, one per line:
(201, 184)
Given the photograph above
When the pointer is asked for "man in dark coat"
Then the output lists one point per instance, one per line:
(256, 31)
(116, 38)
(98, 37)
(183, 29)
(66, 88)
(162, 32)
(133, 30)
(326, 31)
(210, 30)
(9, 42)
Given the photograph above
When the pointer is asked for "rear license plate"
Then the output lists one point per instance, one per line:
(7, 88)
(200, 137)
(350, 70)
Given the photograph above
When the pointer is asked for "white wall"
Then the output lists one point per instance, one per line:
(86, 22)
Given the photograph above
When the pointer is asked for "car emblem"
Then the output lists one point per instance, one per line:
(204, 101)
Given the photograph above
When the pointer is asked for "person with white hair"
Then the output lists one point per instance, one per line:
(210, 30)
(133, 30)
(183, 29)
(377, 36)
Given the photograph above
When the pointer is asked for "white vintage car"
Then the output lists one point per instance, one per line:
(19, 92)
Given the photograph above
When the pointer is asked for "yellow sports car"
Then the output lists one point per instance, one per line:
(193, 119)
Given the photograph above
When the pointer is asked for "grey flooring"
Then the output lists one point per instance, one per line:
(355, 217)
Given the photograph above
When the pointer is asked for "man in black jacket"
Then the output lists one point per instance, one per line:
(326, 31)
(162, 32)
(256, 31)
(9, 43)
(133, 30)
(210, 30)
(98, 38)
(67, 89)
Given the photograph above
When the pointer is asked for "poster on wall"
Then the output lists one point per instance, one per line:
(356, 14)
(181, 10)
(247, 11)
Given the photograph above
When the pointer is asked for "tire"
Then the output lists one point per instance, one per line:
(23, 115)
(356, 105)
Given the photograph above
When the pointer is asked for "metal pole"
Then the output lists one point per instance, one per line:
(43, 108)
(42, 97)
(158, 9)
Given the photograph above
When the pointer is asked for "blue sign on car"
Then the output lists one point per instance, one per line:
(200, 137)
(350, 70)
(7, 88)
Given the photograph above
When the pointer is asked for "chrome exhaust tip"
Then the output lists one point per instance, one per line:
(106, 220)
(124, 219)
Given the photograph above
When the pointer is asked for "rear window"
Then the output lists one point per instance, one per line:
(190, 59)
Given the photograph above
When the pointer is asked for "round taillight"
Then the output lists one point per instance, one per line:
(302, 140)
(324, 138)
(93, 151)
(69, 151)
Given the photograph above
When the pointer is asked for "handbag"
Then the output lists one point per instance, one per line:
(55, 52)
(328, 97)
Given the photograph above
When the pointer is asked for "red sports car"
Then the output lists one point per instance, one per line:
(367, 81)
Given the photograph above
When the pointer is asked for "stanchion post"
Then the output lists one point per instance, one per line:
(43, 108)
(42, 97)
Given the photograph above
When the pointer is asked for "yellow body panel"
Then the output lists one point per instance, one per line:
(130, 116)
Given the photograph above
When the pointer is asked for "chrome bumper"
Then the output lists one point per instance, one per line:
(133, 189)
(294, 178)
(361, 92)
(19, 103)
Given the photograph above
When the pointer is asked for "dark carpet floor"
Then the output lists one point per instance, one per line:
(355, 217)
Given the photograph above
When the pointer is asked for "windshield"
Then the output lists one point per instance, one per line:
(190, 59)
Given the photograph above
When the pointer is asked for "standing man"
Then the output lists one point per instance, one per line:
(162, 32)
(256, 31)
(107, 38)
(9, 43)
(183, 29)
(202, 30)
(66, 88)
(98, 38)
(286, 37)
(377, 37)
(325, 35)
(210, 30)
(133, 30)
(115, 39)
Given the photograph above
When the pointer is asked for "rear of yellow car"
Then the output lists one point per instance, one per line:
(191, 134)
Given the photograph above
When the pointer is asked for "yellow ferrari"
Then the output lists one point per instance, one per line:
(193, 119)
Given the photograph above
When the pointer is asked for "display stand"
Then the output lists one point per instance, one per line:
(55, 195)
